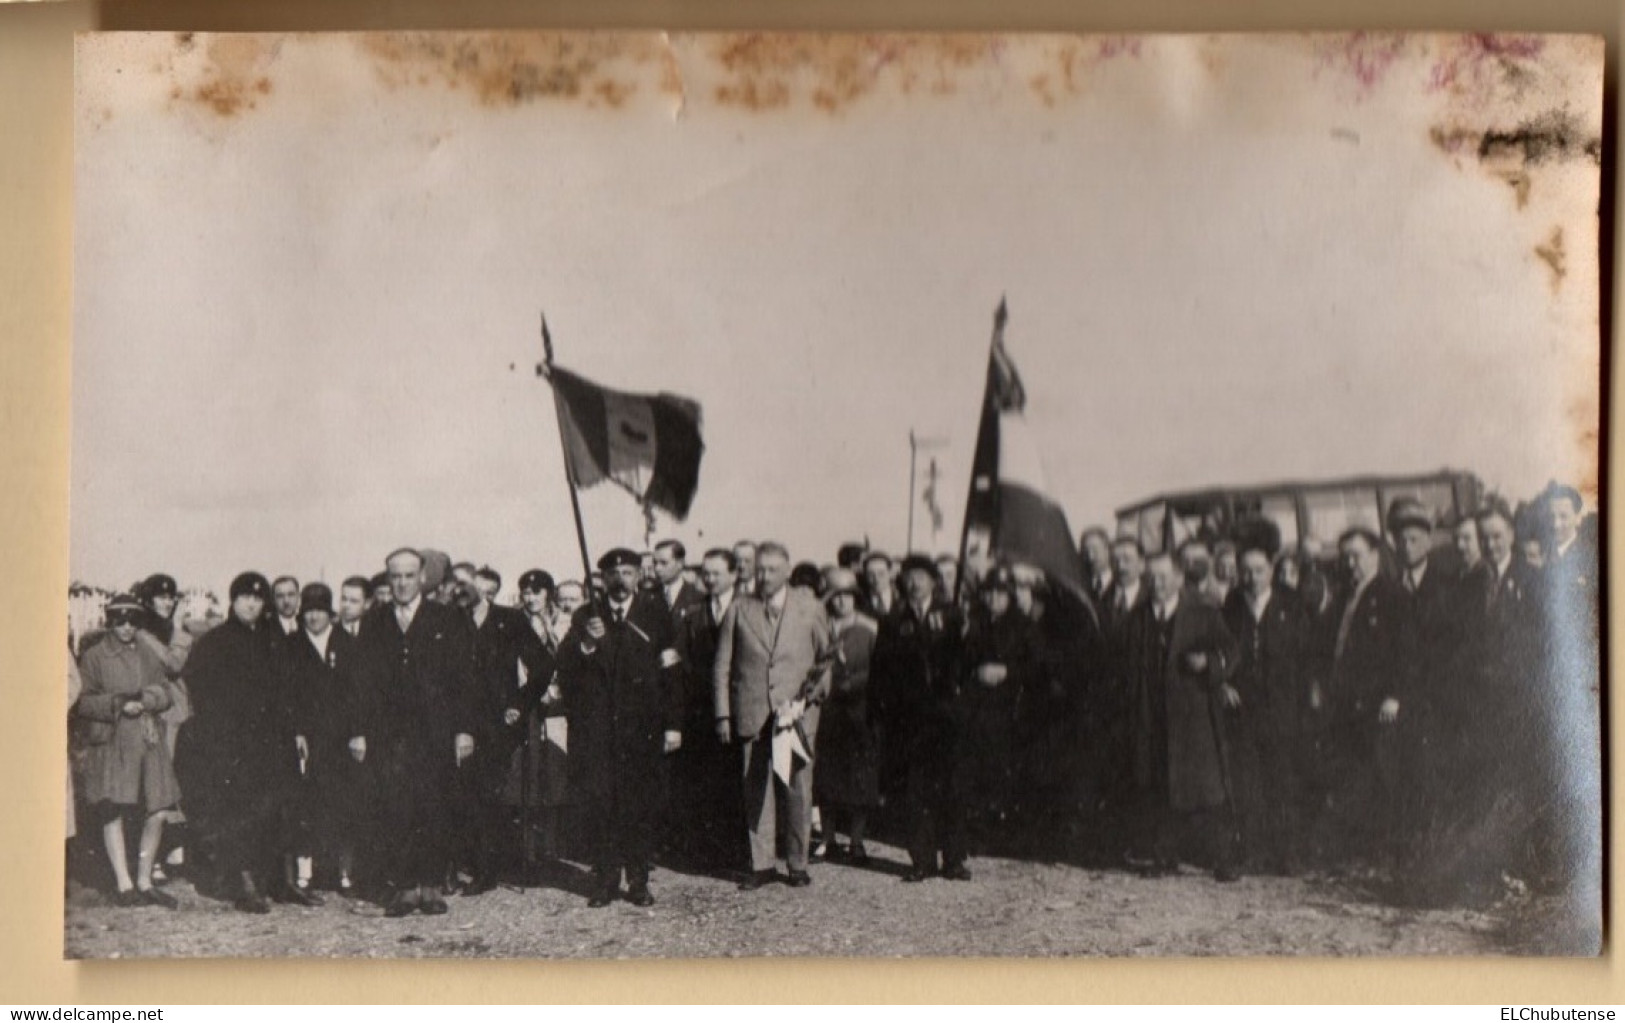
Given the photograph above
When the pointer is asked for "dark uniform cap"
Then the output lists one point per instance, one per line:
(250, 583)
(917, 561)
(158, 585)
(123, 606)
(1408, 511)
(536, 581)
(618, 558)
(1001, 578)
(316, 597)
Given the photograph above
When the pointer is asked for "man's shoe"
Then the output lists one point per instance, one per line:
(640, 897)
(297, 896)
(602, 898)
(478, 886)
(799, 879)
(154, 897)
(252, 903)
(431, 904)
(1226, 875)
(402, 904)
(915, 875)
(757, 879)
(128, 897)
(957, 872)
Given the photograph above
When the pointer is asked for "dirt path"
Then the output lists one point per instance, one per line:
(1009, 908)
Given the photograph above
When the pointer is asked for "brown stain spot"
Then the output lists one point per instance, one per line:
(1583, 419)
(1552, 135)
(1551, 253)
(233, 79)
(767, 71)
(1041, 87)
(511, 69)
(1519, 180)
(1555, 136)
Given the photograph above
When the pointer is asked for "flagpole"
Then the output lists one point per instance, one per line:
(913, 452)
(1000, 315)
(546, 370)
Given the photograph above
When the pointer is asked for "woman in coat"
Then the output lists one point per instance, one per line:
(846, 775)
(237, 752)
(999, 657)
(126, 766)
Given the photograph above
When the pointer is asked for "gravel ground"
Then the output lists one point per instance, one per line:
(1011, 907)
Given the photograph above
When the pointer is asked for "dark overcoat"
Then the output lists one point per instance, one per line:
(322, 707)
(415, 692)
(1178, 746)
(621, 694)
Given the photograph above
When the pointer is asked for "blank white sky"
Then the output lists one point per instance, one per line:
(294, 329)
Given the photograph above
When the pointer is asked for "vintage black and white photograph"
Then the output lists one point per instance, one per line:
(628, 495)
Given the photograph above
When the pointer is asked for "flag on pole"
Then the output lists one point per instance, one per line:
(647, 443)
(1009, 513)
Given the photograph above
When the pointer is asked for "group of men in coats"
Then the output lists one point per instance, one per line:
(1232, 717)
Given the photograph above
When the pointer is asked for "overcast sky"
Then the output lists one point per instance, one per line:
(306, 334)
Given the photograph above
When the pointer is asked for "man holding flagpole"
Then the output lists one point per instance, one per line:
(622, 692)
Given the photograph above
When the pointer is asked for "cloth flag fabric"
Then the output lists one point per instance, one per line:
(1009, 512)
(647, 443)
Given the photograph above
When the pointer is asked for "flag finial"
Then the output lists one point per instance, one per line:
(1000, 316)
(546, 364)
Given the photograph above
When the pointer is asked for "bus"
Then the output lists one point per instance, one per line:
(1318, 509)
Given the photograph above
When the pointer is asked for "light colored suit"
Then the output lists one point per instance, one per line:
(764, 661)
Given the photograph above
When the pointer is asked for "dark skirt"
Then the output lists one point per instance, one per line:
(846, 771)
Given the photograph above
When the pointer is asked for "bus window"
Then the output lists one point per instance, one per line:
(1282, 510)
(1151, 528)
(1437, 496)
(1332, 511)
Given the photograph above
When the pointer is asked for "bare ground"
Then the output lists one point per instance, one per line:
(1011, 907)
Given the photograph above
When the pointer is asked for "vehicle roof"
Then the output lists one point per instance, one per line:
(1366, 480)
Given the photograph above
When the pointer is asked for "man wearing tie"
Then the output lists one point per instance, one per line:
(1369, 658)
(354, 596)
(1436, 709)
(679, 596)
(771, 672)
(620, 686)
(1179, 657)
(707, 822)
(285, 597)
(416, 665)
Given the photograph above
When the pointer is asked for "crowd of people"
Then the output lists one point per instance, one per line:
(1408, 711)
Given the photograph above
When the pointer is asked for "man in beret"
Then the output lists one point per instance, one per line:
(771, 672)
(418, 720)
(1437, 703)
(621, 689)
